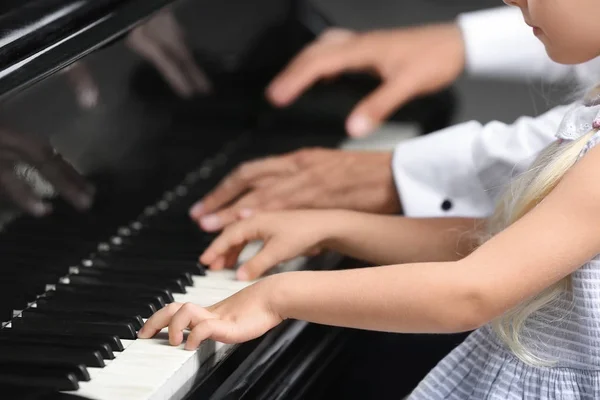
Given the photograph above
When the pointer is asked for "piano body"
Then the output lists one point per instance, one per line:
(75, 286)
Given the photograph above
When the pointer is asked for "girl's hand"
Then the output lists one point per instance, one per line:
(286, 235)
(244, 316)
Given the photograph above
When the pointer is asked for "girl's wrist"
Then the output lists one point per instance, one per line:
(282, 290)
(336, 228)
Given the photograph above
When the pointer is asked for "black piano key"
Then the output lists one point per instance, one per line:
(92, 283)
(83, 316)
(57, 376)
(108, 276)
(109, 292)
(113, 341)
(32, 262)
(128, 305)
(181, 236)
(16, 301)
(114, 308)
(6, 312)
(102, 349)
(19, 287)
(10, 352)
(80, 371)
(123, 331)
(162, 253)
(191, 247)
(133, 273)
(8, 335)
(114, 261)
(203, 268)
(27, 274)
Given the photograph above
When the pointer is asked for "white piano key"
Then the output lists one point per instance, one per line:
(152, 369)
(148, 369)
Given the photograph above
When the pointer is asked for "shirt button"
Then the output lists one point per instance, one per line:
(446, 205)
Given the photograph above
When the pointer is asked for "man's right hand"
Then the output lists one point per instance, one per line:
(411, 62)
(309, 178)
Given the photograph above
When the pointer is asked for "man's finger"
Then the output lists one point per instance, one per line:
(219, 220)
(283, 194)
(287, 193)
(313, 64)
(371, 111)
(252, 201)
(241, 180)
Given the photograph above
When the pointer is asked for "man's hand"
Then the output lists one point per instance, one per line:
(309, 178)
(411, 62)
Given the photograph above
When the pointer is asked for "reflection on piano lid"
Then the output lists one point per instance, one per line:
(76, 285)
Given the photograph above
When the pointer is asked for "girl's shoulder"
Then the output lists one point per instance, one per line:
(581, 119)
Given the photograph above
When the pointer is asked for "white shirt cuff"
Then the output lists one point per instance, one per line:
(435, 175)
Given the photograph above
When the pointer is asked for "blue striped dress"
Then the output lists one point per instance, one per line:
(566, 332)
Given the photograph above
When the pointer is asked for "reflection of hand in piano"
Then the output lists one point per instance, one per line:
(34, 158)
(243, 316)
(161, 41)
(86, 88)
(309, 178)
(286, 235)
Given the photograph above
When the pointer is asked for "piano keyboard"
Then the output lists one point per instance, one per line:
(151, 368)
(79, 337)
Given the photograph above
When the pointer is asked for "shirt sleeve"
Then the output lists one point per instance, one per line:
(498, 43)
(460, 170)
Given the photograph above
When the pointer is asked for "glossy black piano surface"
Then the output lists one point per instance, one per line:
(69, 81)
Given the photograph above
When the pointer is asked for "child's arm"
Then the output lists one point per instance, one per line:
(544, 246)
(383, 239)
(378, 239)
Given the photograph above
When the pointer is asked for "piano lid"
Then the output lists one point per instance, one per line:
(40, 37)
(73, 78)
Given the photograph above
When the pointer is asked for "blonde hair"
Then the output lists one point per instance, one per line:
(522, 195)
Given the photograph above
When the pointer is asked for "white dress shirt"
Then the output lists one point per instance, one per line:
(460, 170)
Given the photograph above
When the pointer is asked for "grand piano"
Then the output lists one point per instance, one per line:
(76, 284)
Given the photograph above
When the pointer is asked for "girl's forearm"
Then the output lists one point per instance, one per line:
(411, 298)
(384, 239)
